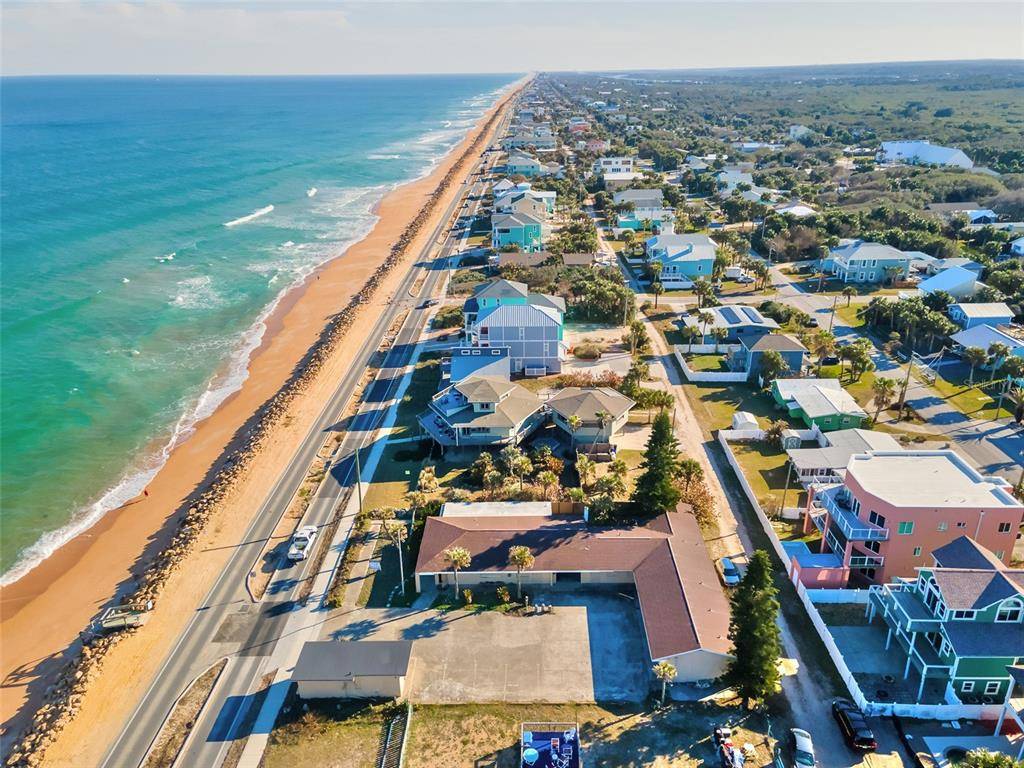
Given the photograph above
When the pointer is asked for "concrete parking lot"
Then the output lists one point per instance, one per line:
(590, 648)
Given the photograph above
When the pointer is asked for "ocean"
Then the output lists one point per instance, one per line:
(148, 226)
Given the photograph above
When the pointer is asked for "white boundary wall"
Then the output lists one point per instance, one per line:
(708, 376)
(809, 597)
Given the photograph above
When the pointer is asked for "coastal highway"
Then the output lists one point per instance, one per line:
(228, 623)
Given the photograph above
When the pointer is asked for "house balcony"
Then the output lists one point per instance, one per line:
(845, 519)
(902, 608)
(866, 561)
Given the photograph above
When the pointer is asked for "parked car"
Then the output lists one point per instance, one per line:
(427, 303)
(730, 573)
(803, 749)
(858, 734)
(302, 543)
(745, 279)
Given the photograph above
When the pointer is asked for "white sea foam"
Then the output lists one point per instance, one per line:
(252, 216)
(353, 206)
(310, 192)
(195, 293)
(381, 156)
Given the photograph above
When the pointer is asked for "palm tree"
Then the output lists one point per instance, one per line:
(974, 356)
(823, 344)
(997, 352)
(702, 290)
(547, 480)
(690, 470)
(396, 532)
(520, 558)
(574, 422)
(585, 467)
(704, 318)
(884, 391)
(657, 289)
(457, 559)
(849, 292)
(691, 333)
(665, 672)
(603, 420)
(720, 335)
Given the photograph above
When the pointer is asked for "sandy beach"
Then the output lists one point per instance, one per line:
(43, 613)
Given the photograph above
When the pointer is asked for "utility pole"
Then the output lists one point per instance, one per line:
(903, 392)
(785, 490)
(832, 317)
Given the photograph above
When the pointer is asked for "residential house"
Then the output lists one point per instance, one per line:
(539, 258)
(857, 261)
(508, 198)
(753, 146)
(922, 152)
(958, 621)
(982, 313)
(752, 348)
(731, 179)
(502, 186)
(683, 258)
(1017, 247)
(597, 145)
(737, 320)
(352, 669)
(493, 362)
(523, 165)
(818, 402)
(482, 410)
(605, 165)
(827, 462)
(535, 139)
(642, 199)
(935, 266)
(796, 209)
(522, 230)
(958, 282)
(984, 336)
(893, 508)
(602, 413)
(973, 212)
(682, 605)
(500, 292)
(614, 180)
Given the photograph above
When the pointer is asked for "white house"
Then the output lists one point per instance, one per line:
(606, 165)
(796, 208)
(921, 152)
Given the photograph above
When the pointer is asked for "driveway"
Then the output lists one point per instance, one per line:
(589, 648)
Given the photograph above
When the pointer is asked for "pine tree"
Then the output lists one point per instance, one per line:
(656, 489)
(754, 632)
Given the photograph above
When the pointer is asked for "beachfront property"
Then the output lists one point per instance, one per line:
(752, 348)
(683, 258)
(601, 411)
(537, 136)
(984, 336)
(857, 261)
(959, 621)
(537, 258)
(983, 313)
(827, 461)
(508, 199)
(482, 411)
(683, 608)
(352, 669)
(524, 231)
(821, 403)
(503, 313)
(894, 508)
(464, 362)
(737, 320)
(921, 152)
(522, 164)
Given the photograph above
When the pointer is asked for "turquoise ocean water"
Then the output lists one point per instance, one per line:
(147, 226)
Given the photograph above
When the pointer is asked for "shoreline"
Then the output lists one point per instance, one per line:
(224, 384)
(39, 623)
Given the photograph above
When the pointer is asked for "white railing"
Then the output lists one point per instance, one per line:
(871, 708)
(707, 376)
(852, 526)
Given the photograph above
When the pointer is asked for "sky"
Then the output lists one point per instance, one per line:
(300, 37)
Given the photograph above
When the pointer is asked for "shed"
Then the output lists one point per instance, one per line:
(744, 420)
(791, 439)
(353, 669)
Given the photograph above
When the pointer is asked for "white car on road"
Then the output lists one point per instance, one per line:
(302, 542)
(803, 749)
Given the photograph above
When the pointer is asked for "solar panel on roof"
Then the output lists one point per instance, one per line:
(752, 314)
(729, 315)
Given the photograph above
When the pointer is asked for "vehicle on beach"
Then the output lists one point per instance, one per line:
(302, 542)
(856, 731)
(803, 749)
(121, 617)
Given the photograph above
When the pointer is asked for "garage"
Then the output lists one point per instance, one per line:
(353, 669)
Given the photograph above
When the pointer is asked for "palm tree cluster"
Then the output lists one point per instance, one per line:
(915, 319)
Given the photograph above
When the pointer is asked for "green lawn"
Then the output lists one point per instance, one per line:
(707, 363)
(833, 287)
(422, 386)
(715, 404)
(973, 401)
(612, 735)
(399, 470)
(765, 467)
(850, 317)
(377, 587)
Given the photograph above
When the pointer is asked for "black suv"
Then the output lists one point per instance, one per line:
(855, 728)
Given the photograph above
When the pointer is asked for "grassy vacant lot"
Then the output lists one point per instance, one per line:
(612, 735)
(399, 470)
(707, 363)
(834, 287)
(714, 405)
(334, 734)
(765, 466)
(975, 401)
(849, 315)
(422, 386)
(666, 321)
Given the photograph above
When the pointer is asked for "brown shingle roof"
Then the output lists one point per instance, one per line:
(586, 402)
(682, 603)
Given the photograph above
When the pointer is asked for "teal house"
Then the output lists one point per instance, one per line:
(959, 624)
(821, 402)
(523, 230)
(523, 165)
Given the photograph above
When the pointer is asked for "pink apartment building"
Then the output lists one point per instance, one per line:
(895, 507)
